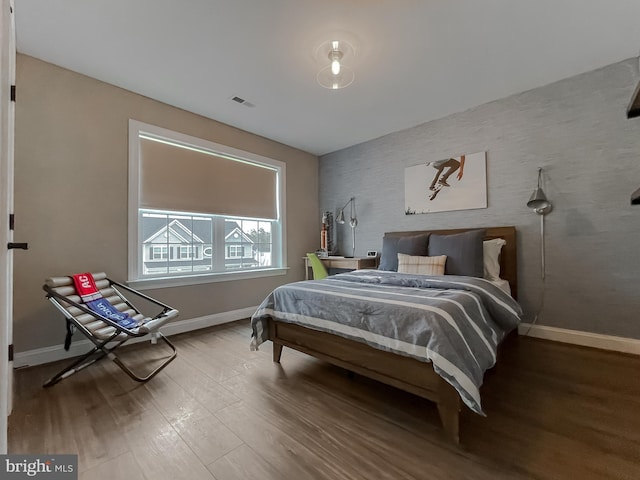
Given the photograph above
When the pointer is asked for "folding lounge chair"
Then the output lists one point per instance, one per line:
(106, 334)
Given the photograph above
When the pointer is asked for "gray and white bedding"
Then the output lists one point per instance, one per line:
(455, 322)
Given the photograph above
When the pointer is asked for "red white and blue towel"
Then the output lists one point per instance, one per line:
(92, 298)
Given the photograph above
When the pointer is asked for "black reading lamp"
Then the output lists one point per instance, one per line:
(353, 221)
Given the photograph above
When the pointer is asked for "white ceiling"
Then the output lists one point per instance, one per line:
(415, 60)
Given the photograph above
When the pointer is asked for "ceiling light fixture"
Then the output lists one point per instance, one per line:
(336, 75)
(335, 55)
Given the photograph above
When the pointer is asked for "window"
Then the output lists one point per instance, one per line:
(186, 252)
(200, 211)
(158, 253)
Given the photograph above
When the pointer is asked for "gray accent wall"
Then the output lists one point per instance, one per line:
(577, 130)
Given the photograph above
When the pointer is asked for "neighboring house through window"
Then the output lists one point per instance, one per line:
(201, 211)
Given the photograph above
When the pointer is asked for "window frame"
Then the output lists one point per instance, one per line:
(235, 247)
(188, 251)
(164, 253)
(136, 253)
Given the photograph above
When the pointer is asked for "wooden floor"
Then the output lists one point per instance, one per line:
(222, 412)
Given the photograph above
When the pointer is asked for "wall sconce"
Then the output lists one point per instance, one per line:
(539, 203)
(538, 200)
(336, 75)
(353, 222)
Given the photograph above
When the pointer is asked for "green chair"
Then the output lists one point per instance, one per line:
(319, 272)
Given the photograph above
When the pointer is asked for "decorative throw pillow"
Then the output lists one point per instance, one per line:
(421, 265)
(464, 252)
(409, 245)
(491, 262)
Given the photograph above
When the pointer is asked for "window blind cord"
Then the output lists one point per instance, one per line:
(543, 275)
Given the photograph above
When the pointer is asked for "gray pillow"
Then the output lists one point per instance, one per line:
(410, 245)
(464, 252)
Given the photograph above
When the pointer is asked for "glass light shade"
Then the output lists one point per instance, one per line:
(327, 79)
(335, 67)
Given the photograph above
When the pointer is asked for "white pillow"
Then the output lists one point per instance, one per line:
(491, 253)
(421, 265)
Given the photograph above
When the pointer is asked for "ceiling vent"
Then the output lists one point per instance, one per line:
(242, 101)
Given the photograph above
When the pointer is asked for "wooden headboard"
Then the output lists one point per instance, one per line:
(508, 256)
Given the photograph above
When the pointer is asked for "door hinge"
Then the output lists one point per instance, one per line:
(11, 352)
(12, 221)
(13, 93)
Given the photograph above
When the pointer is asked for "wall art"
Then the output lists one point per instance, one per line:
(441, 185)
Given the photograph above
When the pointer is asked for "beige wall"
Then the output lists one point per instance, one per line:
(71, 194)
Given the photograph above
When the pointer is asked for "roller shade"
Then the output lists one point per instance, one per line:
(177, 178)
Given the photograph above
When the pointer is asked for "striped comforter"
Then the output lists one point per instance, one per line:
(454, 322)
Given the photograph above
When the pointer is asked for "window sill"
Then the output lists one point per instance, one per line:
(167, 282)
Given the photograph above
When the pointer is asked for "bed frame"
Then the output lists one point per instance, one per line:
(405, 373)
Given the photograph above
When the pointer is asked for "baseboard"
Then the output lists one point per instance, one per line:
(585, 339)
(54, 353)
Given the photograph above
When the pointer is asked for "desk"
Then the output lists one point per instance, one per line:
(343, 263)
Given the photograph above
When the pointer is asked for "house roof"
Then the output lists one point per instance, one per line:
(201, 229)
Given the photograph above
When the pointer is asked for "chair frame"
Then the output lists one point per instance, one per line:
(101, 347)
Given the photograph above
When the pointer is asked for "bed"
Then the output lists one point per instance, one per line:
(431, 335)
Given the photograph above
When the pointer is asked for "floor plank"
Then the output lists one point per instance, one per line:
(221, 412)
